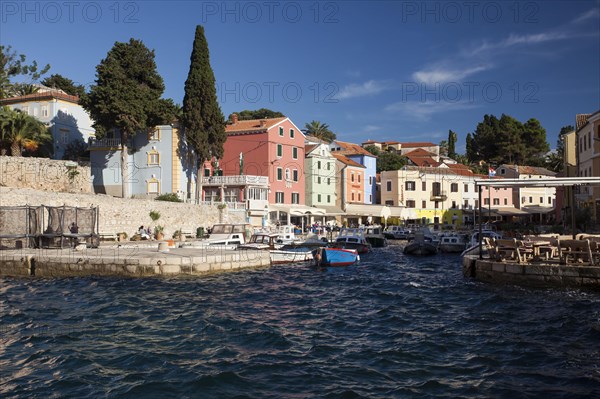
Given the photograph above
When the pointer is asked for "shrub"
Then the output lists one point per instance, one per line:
(154, 215)
(171, 197)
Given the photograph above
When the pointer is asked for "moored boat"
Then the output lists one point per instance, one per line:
(453, 243)
(397, 233)
(279, 253)
(473, 245)
(325, 256)
(421, 245)
(350, 238)
(375, 237)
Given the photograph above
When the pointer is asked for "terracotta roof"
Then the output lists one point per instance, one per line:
(371, 142)
(581, 120)
(440, 171)
(347, 160)
(530, 170)
(423, 161)
(252, 125)
(418, 144)
(419, 152)
(309, 147)
(351, 149)
(391, 142)
(458, 166)
(43, 96)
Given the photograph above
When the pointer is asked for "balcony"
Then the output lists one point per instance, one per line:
(438, 196)
(241, 180)
(104, 143)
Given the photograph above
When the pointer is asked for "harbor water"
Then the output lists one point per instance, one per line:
(390, 326)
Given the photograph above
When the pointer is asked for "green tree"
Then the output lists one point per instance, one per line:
(60, 82)
(555, 161)
(390, 160)
(263, 113)
(373, 149)
(320, 131)
(443, 148)
(126, 96)
(534, 140)
(202, 117)
(452, 137)
(21, 132)
(13, 65)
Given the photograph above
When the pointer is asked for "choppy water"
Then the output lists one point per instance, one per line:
(392, 326)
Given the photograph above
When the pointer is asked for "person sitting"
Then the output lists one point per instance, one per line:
(74, 229)
(143, 234)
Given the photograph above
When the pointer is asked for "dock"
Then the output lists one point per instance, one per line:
(130, 260)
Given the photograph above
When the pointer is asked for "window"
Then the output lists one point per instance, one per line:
(505, 201)
(44, 112)
(436, 188)
(388, 185)
(295, 198)
(454, 204)
(423, 204)
(64, 136)
(279, 174)
(522, 200)
(318, 197)
(496, 201)
(153, 186)
(288, 176)
(476, 203)
(153, 158)
(352, 177)
(436, 204)
(319, 180)
(328, 165)
(486, 201)
(352, 195)
(531, 200)
(291, 133)
(154, 134)
(358, 178)
(410, 203)
(280, 131)
(454, 188)
(371, 198)
(279, 150)
(466, 188)
(389, 202)
(295, 175)
(541, 200)
(329, 181)
(25, 110)
(359, 198)
(410, 186)
(318, 164)
(279, 197)
(328, 198)
(295, 152)
(549, 200)
(370, 180)
(466, 204)
(424, 186)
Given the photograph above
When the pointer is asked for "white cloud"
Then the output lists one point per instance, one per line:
(368, 88)
(441, 75)
(423, 111)
(591, 14)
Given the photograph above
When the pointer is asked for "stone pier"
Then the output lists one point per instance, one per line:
(127, 261)
(537, 274)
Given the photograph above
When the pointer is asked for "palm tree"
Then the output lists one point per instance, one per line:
(22, 132)
(320, 131)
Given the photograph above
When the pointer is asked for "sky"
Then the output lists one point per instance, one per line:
(380, 70)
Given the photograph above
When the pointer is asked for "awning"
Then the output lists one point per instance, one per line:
(296, 209)
(383, 211)
(408, 214)
(332, 210)
(535, 210)
(511, 211)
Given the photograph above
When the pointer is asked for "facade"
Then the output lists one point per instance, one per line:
(363, 157)
(159, 162)
(69, 123)
(532, 199)
(587, 139)
(350, 176)
(320, 176)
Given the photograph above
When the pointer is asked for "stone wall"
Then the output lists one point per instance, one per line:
(45, 174)
(126, 215)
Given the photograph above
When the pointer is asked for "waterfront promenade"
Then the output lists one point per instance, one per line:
(129, 260)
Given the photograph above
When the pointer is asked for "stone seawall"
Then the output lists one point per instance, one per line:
(126, 215)
(126, 262)
(532, 275)
(45, 174)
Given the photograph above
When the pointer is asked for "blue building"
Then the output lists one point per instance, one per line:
(361, 156)
(159, 162)
(68, 122)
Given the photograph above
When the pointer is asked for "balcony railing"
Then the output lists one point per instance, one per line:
(230, 204)
(439, 196)
(241, 180)
(106, 142)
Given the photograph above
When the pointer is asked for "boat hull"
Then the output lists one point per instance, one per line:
(279, 257)
(420, 248)
(452, 248)
(377, 242)
(335, 257)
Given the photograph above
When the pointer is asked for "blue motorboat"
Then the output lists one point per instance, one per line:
(335, 256)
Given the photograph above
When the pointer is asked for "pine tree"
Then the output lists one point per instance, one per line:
(202, 117)
(126, 95)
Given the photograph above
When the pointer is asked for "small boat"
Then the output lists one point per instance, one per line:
(334, 256)
(279, 253)
(473, 245)
(422, 244)
(350, 238)
(224, 236)
(374, 235)
(397, 233)
(453, 243)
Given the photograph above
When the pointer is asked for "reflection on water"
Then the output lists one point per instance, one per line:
(390, 326)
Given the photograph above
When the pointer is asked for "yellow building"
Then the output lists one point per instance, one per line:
(587, 147)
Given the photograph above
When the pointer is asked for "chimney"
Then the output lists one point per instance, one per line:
(263, 122)
(234, 118)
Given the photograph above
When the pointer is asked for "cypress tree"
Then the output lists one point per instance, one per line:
(452, 144)
(126, 95)
(202, 117)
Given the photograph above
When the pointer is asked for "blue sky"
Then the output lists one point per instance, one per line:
(382, 70)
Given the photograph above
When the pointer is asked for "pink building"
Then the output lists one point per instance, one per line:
(268, 147)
